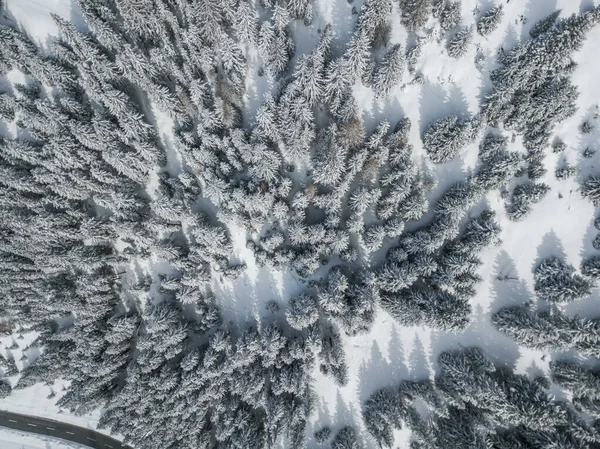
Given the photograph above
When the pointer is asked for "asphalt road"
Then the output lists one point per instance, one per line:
(56, 429)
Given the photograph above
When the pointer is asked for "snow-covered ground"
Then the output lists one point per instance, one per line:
(560, 224)
(13, 439)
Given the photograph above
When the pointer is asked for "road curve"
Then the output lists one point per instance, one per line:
(57, 429)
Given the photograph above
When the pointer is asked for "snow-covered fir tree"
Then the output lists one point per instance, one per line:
(490, 20)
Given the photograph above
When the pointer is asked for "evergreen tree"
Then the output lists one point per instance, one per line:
(555, 281)
(490, 20)
(458, 44)
(591, 267)
(345, 439)
(445, 137)
(332, 358)
(582, 383)
(383, 412)
(302, 312)
(415, 13)
(523, 197)
(447, 12)
(591, 189)
(544, 25)
(322, 435)
(388, 73)
(548, 331)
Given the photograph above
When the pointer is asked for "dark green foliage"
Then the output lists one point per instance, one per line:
(332, 358)
(447, 12)
(474, 404)
(490, 20)
(346, 439)
(555, 281)
(383, 412)
(566, 172)
(434, 308)
(388, 73)
(322, 435)
(532, 90)
(415, 13)
(591, 267)
(458, 44)
(445, 137)
(591, 189)
(110, 246)
(549, 331)
(524, 196)
(583, 383)
(586, 127)
(498, 166)
(544, 25)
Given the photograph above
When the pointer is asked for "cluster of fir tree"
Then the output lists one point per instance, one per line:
(555, 331)
(415, 15)
(532, 92)
(474, 404)
(431, 273)
(591, 266)
(552, 329)
(313, 117)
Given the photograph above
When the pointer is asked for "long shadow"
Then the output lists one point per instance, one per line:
(550, 246)
(511, 38)
(373, 373)
(586, 5)
(323, 420)
(344, 416)
(418, 361)
(397, 367)
(390, 109)
(437, 102)
(479, 333)
(506, 288)
(536, 12)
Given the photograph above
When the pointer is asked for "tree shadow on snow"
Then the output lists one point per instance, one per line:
(550, 246)
(507, 289)
(511, 38)
(418, 361)
(373, 373)
(587, 141)
(391, 110)
(479, 333)
(379, 371)
(348, 415)
(398, 370)
(324, 419)
(437, 103)
(586, 5)
(534, 12)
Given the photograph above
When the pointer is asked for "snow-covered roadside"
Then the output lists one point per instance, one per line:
(14, 439)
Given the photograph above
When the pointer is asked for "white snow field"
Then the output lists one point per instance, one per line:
(562, 223)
